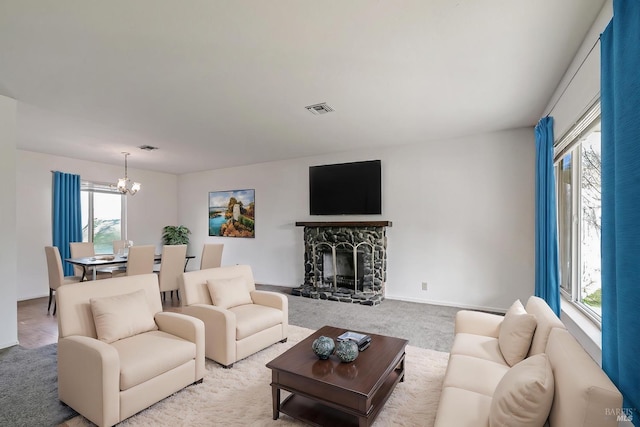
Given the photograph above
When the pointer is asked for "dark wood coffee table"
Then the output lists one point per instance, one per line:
(332, 393)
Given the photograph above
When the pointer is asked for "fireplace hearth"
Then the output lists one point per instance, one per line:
(344, 261)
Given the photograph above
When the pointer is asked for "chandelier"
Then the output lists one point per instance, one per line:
(125, 186)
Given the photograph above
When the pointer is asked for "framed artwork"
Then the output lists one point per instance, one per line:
(232, 213)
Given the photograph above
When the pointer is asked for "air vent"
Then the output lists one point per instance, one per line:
(147, 147)
(321, 108)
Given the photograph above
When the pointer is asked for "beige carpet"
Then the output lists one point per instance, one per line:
(241, 396)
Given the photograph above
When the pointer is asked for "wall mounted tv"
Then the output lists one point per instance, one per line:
(346, 189)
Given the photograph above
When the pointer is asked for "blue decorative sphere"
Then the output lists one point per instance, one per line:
(323, 347)
(347, 351)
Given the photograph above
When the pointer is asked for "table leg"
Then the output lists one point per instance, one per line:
(95, 273)
(275, 396)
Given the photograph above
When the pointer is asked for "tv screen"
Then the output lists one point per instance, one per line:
(346, 189)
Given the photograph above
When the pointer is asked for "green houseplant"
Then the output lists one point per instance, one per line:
(175, 235)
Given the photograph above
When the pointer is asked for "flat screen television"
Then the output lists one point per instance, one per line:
(346, 189)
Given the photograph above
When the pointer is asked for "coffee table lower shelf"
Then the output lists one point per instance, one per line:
(316, 413)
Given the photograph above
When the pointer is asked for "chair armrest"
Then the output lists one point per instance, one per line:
(89, 378)
(270, 299)
(478, 323)
(220, 331)
(188, 328)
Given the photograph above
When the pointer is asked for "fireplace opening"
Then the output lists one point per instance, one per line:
(345, 269)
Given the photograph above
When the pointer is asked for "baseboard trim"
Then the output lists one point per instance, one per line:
(449, 304)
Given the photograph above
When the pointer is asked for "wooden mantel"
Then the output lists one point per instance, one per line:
(344, 224)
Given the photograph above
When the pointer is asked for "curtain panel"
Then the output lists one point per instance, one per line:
(67, 220)
(547, 285)
(620, 101)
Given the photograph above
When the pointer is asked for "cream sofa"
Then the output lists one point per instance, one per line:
(118, 353)
(239, 320)
(478, 378)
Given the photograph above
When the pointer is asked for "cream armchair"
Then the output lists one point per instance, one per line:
(118, 353)
(239, 320)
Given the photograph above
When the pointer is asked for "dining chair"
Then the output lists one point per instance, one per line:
(211, 255)
(171, 268)
(86, 249)
(140, 259)
(56, 275)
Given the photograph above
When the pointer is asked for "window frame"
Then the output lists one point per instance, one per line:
(92, 187)
(571, 143)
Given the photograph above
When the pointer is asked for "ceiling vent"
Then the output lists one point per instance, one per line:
(321, 108)
(147, 147)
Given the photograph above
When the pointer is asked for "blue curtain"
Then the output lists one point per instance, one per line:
(546, 279)
(67, 221)
(620, 105)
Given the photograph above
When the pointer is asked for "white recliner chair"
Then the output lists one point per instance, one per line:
(118, 352)
(239, 320)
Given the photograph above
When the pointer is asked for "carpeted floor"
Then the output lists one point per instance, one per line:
(28, 378)
(241, 396)
(28, 388)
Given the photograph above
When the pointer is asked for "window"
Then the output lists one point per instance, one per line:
(578, 190)
(103, 213)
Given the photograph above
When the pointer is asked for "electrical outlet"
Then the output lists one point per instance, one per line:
(424, 286)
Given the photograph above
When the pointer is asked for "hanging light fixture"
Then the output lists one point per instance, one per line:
(125, 186)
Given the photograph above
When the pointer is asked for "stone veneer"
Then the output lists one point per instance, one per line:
(367, 238)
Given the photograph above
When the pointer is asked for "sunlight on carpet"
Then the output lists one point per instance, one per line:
(241, 396)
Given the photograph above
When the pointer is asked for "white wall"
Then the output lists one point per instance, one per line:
(462, 213)
(8, 308)
(148, 211)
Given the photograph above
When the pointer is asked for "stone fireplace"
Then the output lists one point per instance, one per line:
(345, 261)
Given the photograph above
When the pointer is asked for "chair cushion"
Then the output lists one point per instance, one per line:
(227, 293)
(474, 374)
(253, 318)
(122, 316)
(516, 333)
(524, 395)
(146, 356)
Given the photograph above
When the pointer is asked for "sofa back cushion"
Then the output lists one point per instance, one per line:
(546, 320)
(74, 308)
(193, 284)
(584, 395)
(516, 332)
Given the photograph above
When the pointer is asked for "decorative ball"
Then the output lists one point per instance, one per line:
(347, 351)
(323, 347)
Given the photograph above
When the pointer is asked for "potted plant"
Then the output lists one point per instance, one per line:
(175, 235)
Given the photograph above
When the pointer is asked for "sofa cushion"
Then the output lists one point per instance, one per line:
(474, 374)
(122, 316)
(146, 356)
(252, 318)
(227, 293)
(462, 408)
(479, 346)
(516, 333)
(524, 395)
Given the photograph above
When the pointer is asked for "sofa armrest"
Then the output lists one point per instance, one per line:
(270, 299)
(220, 331)
(478, 323)
(89, 378)
(188, 328)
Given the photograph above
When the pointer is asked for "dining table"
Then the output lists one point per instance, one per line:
(109, 260)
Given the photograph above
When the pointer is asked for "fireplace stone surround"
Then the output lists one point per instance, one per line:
(357, 257)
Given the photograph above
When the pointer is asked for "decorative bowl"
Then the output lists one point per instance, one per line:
(347, 351)
(323, 347)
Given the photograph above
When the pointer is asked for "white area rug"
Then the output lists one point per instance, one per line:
(241, 396)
